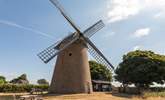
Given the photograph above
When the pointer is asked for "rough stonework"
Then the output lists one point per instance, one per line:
(72, 72)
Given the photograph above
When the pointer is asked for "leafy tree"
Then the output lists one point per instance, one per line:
(42, 82)
(20, 80)
(99, 72)
(141, 68)
(2, 80)
(23, 77)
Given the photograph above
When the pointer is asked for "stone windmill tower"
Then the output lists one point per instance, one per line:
(72, 72)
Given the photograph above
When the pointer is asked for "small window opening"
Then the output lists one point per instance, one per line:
(70, 54)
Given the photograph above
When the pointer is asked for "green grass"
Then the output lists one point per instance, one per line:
(6, 98)
(154, 94)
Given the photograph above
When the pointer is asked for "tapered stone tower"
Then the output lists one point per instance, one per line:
(72, 72)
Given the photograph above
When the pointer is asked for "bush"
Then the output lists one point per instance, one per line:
(2, 80)
(99, 71)
(20, 80)
(21, 88)
(42, 82)
(154, 94)
(157, 89)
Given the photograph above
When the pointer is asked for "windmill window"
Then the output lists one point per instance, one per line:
(70, 54)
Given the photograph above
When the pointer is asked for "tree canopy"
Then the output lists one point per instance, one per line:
(43, 82)
(99, 72)
(2, 80)
(20, 80)
(141, 68)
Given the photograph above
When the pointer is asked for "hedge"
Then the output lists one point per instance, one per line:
(157, 89)
(21, 88)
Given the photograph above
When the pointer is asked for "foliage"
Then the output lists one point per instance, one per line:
(99, 72)
(153, 94)
(21, 87)
(2, 80)
(157, 89)
(42, 82)
(141, 68)
(20, 80)
(23, 77)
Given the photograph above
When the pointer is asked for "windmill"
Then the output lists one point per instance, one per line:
(72, 72)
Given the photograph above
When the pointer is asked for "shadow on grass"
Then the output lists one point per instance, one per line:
(55, 95)
(65, 96)
(123, 95)
(51, 94)
(9, 97)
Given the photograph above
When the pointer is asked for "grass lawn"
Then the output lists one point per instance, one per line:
(154, 94)
(100, 96)
(93, 96)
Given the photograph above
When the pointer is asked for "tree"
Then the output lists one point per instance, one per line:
(2, 80)
(99, 72)
(23, 77)
(42, 82)
(20, 80)
(141, 68)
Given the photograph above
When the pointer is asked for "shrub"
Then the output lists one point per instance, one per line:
(21, 88)
(153, 94)
(2, 80)
(42, 82)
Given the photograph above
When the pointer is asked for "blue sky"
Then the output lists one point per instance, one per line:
(29, 26)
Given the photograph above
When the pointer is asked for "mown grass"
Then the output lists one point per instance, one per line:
(153, 94)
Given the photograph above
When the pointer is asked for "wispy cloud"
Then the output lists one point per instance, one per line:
(159, 15)
(155, 4)
(123, 9)
(13, 24)
(107, 35)
(137, 47)
(141, 32)
(9, 76)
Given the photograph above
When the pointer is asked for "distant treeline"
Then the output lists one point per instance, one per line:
(17, 88)
(21, 84)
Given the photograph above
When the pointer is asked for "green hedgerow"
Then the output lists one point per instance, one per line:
(21, 88)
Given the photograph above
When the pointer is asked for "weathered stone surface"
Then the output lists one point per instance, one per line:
(72, 73)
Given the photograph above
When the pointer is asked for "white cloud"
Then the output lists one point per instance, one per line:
(156, 4)
(138, 47)
(159, 15)
(107, 35)
(141, 32)
(9, 76)
(123, 9)
(13, 24)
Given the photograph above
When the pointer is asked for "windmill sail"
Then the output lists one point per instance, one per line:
(50, 52)
(63, 12)
(93, 29)
(100, 58)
